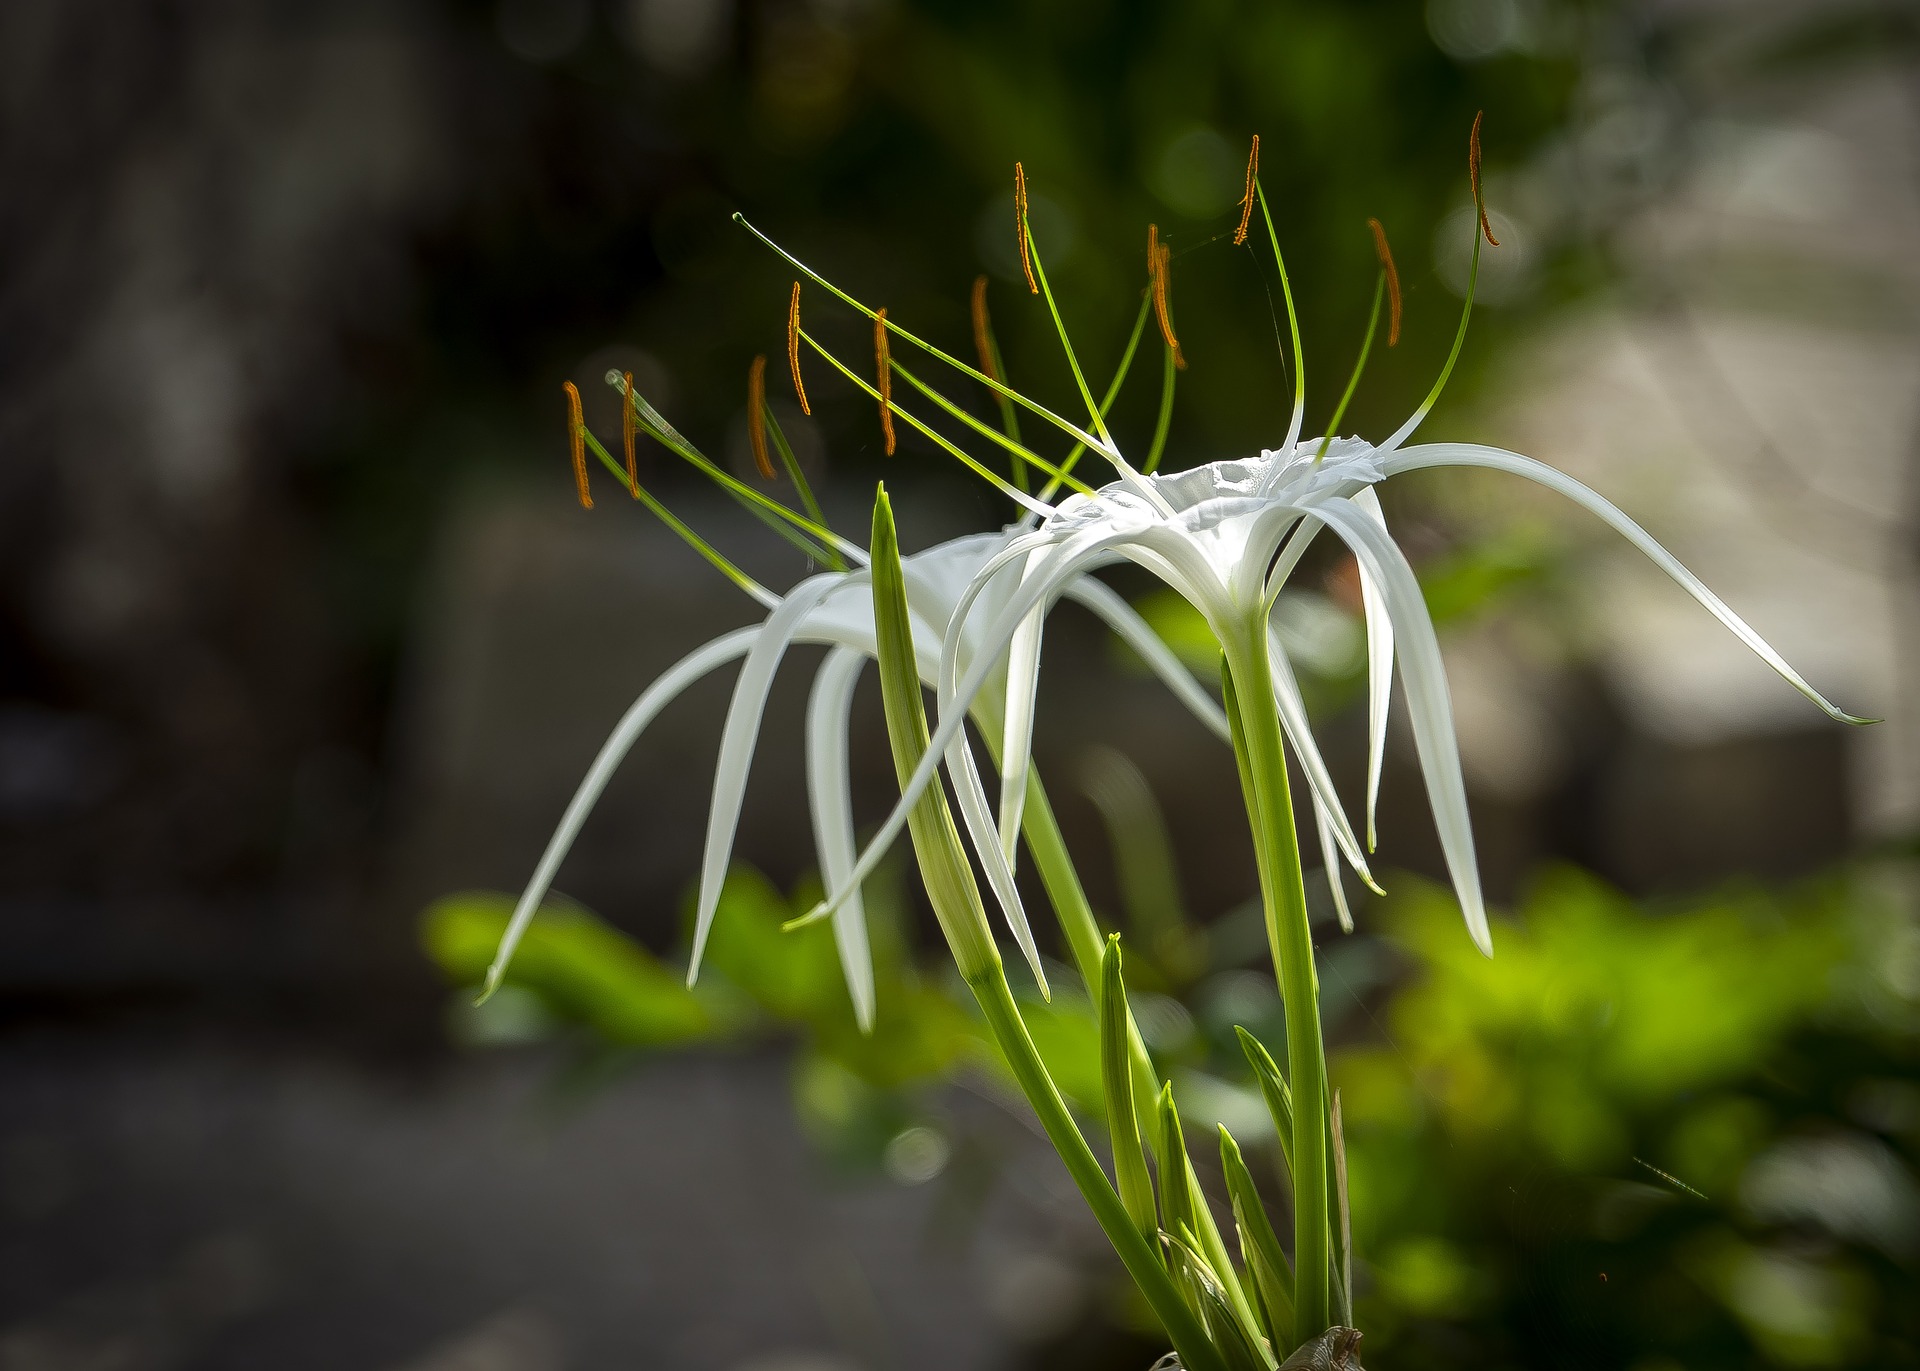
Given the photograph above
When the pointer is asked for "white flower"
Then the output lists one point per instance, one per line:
(1226, 536)
(836, 609)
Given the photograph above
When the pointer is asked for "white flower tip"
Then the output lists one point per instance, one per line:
(495, 974)
(1856, 719)
(863, 1015)
(812, 916)
(1372, 884)
(1482, 935)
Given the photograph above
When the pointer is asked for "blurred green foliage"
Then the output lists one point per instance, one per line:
(1681, 1135)
(1676, 1135)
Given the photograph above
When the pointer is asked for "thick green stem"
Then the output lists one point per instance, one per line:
(1258, 739)
(1142, 1262)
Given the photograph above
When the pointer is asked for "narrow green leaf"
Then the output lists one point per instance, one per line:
(1233, 1332)
(1116, 1074)
(1176, 1196)
(1259, 1244)
(1343, 1224)
(1273, 1089)
(936, 842)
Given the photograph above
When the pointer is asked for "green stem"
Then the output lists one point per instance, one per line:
(1277, 850)
(1197, 1352)
(1085, 942)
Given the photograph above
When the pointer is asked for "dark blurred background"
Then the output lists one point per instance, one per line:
(300, 627)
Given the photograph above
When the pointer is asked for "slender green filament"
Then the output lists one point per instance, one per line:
(687, 535)
(1113, 390)
(1360, 365)
(1293, 319)
(801, 484)
(1165, 422)
(1072, 430)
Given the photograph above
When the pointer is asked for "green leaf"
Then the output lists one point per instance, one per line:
(944, 868)
(1273, 1089)
(581, 968)
(1116, 1072)
(1259, 1244)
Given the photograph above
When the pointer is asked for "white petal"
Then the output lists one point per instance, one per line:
(1331, 859)
(1498, 459)
(736, 747)
(1060, 565)
(978, 817)
(1126, 622)
(1016, 745)
(831, 794)
(1379, 672)
(632, 724)
(1299, 731)
(1429, 706)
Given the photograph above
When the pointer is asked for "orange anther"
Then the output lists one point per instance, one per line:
(883, 360)
(793, 349)
(1159, 270)
(1246, 200)
(981, 336)
(757, 416)
(577, 443)
(1020, 225)
(1393, 280)
(1473, 174)
(628, 427)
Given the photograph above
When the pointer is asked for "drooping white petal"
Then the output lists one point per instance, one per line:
(1016, 745)
(831, 795)
(1061, 564)
(1126, 622)
(1379, 671)
(1498, 459)
(978, 817)
(1330, 858)
(633, 723)
(736, 748)
(1429, 705)
(1299, 730)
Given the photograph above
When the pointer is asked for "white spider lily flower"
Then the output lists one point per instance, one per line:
(836, 609)
(1226, 536)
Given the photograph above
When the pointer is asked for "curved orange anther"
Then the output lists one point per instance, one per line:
(883, 361)
(1385, 254)
(577, 443)
(793, 349)
(1246, 200)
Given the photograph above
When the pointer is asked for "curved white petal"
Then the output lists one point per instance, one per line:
(1016, 743)
(1498, 459)
(1299, 730)
(1379, 671)
(1429, 705)
(831, 794)
(1331, 860)
(736, 747)
(1065, 560)
(633, 723)
(1134, 631)
(978, 817)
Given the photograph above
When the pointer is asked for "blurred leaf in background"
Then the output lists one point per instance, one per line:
(1667, 1135)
